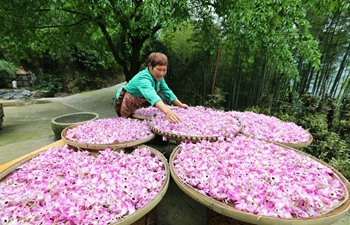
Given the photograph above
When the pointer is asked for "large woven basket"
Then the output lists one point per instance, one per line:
(103, 146)
(189, 138)
(295, 145)
(226, 210)
(183, 138)
(136, 116)
(292, 145)
(12, 166)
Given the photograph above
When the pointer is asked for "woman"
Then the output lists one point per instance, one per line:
(145, 86)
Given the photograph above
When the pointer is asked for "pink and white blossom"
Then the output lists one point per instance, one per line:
(151, 111)
(63, 186)
(259, 177)
(271, 128)
(109, 131)
(198, 121)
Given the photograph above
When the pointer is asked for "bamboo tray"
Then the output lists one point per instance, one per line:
(295, 145)
(189, 138)
(102, 146)
(226, 210)
(183, 138)
(8, 168)
(136, 116)
(292, 145)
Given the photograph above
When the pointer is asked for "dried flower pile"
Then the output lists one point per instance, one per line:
(271, 128)
(151, 111)
(63, 186)
(199, 121)
(109, 131)
(259, 177)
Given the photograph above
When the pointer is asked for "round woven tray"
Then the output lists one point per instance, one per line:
(324, 219)
(183, 138)
(130, 219)
(102, 146)
(292, 145)
(136, 116)
(295, 145)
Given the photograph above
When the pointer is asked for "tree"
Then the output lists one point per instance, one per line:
(279, 28)
(112, 29)
(260, 44)
(330, 26)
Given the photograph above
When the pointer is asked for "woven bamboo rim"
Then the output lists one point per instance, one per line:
(328, 218)
(136, 116)
(292, 145)
(102, 146)
(188, 138)
(295, 145)
(138, 214)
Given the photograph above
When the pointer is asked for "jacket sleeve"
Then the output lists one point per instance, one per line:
(166, 91)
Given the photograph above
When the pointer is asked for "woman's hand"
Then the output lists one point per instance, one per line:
(172, 117)
(178, 103)
(185, 106)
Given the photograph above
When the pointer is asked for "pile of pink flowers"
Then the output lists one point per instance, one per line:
(151, 111)
(109, 131)
(199, 121)
(271, 128)
(63, 186)
(259, 177)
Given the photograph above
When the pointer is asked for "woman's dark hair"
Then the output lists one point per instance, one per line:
(157, 59)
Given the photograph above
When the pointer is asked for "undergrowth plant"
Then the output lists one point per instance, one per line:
(50, 83)
(7, 69)
(216, 100)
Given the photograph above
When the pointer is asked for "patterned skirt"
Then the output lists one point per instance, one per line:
(127, 104)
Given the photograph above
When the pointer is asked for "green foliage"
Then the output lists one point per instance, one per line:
(216, 99)
(316, 124)
(116, 31)
(77, 71)
(287, 117)
(264, 47)
(343, 122)
(87, 60)
(176, 39)
(281, 30)
(342, 163)
(85, 81)
(50, 83)
(7, 69)
(331, 147)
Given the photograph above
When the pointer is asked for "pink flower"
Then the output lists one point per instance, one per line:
(64, 186)
(109, 131)
(271, 128)
(199, 122)
(259, 177)
(151, 111)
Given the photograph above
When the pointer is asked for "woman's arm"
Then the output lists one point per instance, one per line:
(177, 102)
(171, 116)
